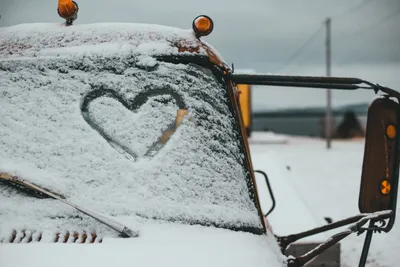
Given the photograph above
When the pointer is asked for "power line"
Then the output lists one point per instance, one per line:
(305, 44)
(302, 48)
(353, 9)
(371, 26)
(379, 22)
(360, 31)
(364, 18)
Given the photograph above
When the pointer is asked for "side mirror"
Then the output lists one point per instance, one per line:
(380, 170)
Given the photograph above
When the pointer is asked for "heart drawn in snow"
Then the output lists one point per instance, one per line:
(138, 128)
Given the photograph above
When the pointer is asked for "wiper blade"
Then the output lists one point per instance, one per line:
(122, 229)
(23, 189)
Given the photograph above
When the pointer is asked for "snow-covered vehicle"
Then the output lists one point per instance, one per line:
(131, 136)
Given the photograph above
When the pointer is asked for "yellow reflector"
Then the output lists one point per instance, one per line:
(391, 131)
(245, 105)
(203, 25)
(385, 187)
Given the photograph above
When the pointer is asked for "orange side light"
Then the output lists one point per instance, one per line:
(391, 131)
(385, 187)
(203, 25)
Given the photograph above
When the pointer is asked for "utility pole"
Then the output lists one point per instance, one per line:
(328, 117)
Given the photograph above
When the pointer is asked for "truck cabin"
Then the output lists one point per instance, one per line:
(141, 124)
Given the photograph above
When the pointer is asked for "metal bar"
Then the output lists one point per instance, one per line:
(284, 241)
(356, 227)
(302, 260)
(328, 120)
(309, 85)
(270, 192)
(367, 243)
(251, 78)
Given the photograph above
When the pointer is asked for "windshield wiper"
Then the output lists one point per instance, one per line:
(122, 229)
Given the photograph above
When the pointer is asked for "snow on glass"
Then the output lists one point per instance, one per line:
(87, 125)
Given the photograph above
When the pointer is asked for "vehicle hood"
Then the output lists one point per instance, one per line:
(157, 245)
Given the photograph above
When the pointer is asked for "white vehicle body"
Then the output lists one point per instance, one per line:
(84, 110)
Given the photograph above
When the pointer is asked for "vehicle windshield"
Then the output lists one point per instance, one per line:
(126, 136)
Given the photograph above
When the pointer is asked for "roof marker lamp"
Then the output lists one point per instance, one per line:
(203, 25)
(68, 10)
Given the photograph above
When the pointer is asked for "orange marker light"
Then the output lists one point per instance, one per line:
(203, 25)
(385, 187)
(68, 10)
(391, 131)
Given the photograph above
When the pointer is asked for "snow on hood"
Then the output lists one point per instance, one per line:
(158, 245)
(38, 39)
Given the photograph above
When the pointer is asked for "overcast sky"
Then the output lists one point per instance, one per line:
(264, 35)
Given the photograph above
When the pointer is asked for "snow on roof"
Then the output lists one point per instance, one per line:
(38, 38)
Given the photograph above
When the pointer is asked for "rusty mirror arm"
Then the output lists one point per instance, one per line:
(357, 222)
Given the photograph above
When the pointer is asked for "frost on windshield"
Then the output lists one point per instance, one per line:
(121, 138)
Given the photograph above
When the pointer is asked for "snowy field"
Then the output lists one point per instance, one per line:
(327, 182)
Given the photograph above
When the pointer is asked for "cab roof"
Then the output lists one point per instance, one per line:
(52, 39)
